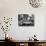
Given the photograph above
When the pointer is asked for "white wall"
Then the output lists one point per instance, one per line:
(12, 8)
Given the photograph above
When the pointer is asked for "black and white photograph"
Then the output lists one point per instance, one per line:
(25, 20)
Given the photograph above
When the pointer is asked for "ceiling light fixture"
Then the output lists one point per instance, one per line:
(35, 3)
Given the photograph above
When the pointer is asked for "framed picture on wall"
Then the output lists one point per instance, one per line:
(25, 20)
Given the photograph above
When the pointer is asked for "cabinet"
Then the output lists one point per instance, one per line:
(37, 44)
(42, 44)
(21, 44)
(25, 44)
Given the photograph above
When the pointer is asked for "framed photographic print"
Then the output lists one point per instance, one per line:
(25, 20)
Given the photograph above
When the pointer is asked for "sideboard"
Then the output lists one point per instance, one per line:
(22, 43)
(27, 43)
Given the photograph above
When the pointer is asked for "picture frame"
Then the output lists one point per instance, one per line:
(25, 20)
